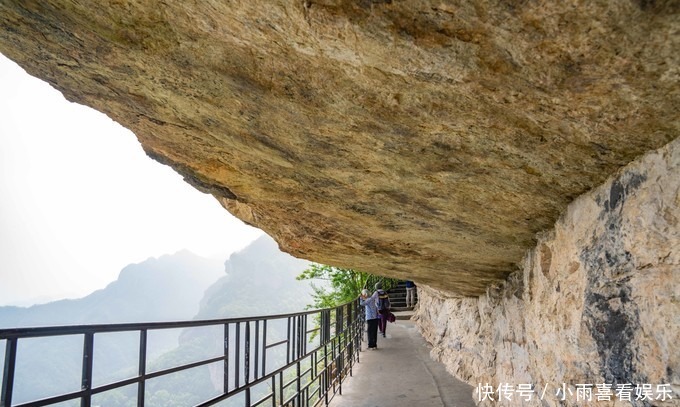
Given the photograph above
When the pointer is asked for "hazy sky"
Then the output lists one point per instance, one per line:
(79, 199)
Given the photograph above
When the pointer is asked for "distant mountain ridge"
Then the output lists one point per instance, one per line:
(260, 280)
(158, 289)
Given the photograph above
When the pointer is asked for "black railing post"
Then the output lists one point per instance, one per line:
(289, 340)
(141, 386)
(358, 328)
(325, 326)
(86, 382)
(300, 333)
(349, 336)
(327, 379)
(273, 391)
(303, 334)
(256, 365)
(237, 356)
(226, 358)
(298, 384)
(246, 354)
(264, 347)
(334, 358)
(8, 372)
(338, 320)
(298, 350)
(314, 368)
(246, 363)
(322, 331)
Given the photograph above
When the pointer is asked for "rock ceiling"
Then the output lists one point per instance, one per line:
(421, 139)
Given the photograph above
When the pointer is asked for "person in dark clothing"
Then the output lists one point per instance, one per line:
(383, 308)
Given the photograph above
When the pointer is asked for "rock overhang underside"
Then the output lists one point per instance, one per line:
(429, 140)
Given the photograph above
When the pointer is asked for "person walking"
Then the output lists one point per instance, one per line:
(370, 304)
(383, 307)
(410, 294)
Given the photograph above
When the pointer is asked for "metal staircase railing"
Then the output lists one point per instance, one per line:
(320, 348)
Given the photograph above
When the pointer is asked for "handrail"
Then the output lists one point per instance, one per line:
(319, 370)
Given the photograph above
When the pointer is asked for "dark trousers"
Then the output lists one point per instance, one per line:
(373, 332)
(382, 326)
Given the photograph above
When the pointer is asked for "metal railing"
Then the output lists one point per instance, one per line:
(306, 367)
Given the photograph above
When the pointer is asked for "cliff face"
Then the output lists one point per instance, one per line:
(422, 139)
(596, 302)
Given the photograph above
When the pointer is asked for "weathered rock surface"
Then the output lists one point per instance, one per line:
(421, 139)
(597, 301)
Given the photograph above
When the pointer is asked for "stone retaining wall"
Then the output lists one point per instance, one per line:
(597, 301)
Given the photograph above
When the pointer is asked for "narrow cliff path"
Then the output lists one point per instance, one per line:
(401, 373)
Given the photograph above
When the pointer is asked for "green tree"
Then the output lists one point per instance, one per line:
(343, 284)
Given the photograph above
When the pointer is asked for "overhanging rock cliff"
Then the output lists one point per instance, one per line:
(421, 139)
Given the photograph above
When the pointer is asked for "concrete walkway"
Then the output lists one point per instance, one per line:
(400, 374)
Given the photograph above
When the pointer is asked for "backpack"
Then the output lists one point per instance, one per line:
(383, 300)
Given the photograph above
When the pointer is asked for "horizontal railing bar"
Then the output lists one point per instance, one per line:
(115, 385)
(331, 396)
(276, 344)
(306, 385)
(315, 381)
(293, 381)
(188, 366)
(32, 332)
(262, 400)
(53, 400)
(288, 401)
(221, 397)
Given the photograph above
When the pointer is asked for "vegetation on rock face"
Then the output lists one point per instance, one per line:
(344, 284)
